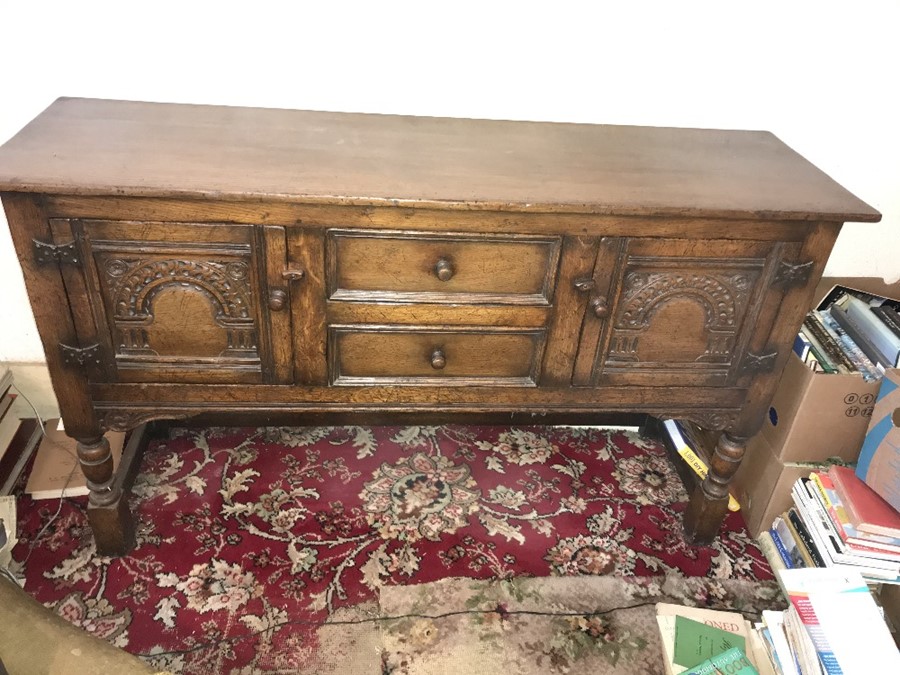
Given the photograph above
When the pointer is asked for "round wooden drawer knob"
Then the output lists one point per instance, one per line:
(277, 299)
(438, 359)
(443, 269)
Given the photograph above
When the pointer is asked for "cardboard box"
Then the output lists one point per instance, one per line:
(762, 484)
(814, 416)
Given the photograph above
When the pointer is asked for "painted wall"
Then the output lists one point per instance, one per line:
(821, 75)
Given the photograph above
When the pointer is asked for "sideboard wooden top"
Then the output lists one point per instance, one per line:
(100, 147)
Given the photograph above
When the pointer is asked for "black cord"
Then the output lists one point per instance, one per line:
(381, 619)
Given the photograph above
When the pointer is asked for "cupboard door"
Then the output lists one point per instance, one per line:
(182, 302)
(673, 312)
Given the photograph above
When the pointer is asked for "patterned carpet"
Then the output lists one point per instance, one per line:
(250, 537)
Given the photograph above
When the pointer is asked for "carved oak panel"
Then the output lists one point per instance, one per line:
(174, 310)
(682, 312)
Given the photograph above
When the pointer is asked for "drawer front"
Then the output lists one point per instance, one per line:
(370, 266)
(362, 355)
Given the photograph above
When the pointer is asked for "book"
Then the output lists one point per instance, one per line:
(880, 360)
(832, 348)
(786, 537)
(805, 537)
(862, 362)
(873, 545)
(19, 451)
(817, 349)
(802, 345)
(867, 511)
(691, 458)
(875, 330)
(840, 616)
(828, 542)
(889, 317)
(786, 660)
(800, 644)
(696, 642)
(759, 650)
(6, 380)
(798, 540)
(9, 421)
(767, 546)
(56, 471)
(780, 548)
(5, 404)
(733, 661)
(666, 614)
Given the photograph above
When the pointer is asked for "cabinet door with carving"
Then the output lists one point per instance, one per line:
(179, 302)
(676, 312)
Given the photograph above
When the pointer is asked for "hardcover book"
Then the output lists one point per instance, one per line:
(867, 511)
(839, 615)
(666, 616)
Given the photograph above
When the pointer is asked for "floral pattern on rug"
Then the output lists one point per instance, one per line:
(247, 537)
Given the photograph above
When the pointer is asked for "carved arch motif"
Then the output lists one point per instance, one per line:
(136, 283)
(721, 296)
(645, 292)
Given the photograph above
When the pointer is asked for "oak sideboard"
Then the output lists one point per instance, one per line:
(193, 259)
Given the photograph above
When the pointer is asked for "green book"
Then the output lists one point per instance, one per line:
(695, 642)
(733, 662)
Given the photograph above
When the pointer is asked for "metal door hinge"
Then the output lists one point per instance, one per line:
(792, 274)
(48, 254)
(80, 356)
(754, 364)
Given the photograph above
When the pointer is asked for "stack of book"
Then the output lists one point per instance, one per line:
(19, 435)
(837, 521)
(697, 641)
(832, 625)
(852, 332)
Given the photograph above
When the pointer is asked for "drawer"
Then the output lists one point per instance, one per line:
(383, 266)
(436, 356)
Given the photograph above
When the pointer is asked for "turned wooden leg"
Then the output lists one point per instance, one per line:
(108, 513)
(709, 502)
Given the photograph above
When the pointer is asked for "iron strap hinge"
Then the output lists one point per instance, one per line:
(80, 356)
(49, 254)
(756, 364)
(792, 274)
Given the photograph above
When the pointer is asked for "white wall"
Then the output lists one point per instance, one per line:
(822, 75)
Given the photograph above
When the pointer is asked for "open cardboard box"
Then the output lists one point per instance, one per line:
(812, 417)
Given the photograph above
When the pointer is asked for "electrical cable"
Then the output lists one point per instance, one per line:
(317, 624)
(382, 619)
(62, 495)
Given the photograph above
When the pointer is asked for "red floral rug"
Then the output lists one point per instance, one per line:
(248, 537)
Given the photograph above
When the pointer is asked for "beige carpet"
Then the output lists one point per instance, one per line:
(522, 626)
